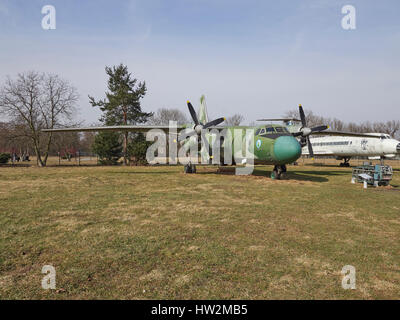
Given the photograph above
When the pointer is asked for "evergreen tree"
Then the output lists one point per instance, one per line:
(137, 149)
(122, 103)
(107, 146)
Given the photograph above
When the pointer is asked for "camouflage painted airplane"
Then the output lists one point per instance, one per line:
(273, 144)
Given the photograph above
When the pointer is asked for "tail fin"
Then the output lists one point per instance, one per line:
(202, 115)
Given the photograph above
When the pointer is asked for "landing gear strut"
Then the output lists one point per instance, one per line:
(278, 171)
(345, 163)
(189, 168)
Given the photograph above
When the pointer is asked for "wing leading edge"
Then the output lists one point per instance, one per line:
(135, 128)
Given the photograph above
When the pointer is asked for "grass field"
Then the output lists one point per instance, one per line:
(155, 233)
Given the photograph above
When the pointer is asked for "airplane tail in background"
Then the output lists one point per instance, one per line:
(202, 115)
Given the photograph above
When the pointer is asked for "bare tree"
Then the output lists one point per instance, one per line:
(62, 142)
(393, 127)
(40, 101)
(336, 124)
(311, 119)
(235, 120)
(164, 115)
(13, 139)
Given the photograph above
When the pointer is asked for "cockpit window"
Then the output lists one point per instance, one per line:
(270, 130)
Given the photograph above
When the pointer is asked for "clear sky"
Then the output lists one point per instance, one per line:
(257, 58)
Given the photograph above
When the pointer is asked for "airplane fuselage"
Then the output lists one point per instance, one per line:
(269, 144)
(385, 146)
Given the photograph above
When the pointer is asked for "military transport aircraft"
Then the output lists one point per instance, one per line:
(273, 144)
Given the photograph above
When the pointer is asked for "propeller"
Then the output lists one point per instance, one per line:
(305, 131)
(198, 127)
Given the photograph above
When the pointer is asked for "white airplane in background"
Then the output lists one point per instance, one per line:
(379, 146)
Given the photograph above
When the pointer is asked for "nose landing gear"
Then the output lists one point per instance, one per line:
(278, 172)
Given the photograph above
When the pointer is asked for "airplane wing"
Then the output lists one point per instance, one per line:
(133, 128)
(345, 134)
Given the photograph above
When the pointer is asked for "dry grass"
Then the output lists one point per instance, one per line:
(155, 233)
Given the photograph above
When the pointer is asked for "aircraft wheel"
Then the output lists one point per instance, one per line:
(275, 174)
(187, 168)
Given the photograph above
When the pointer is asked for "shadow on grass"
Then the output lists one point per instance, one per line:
(314, 176)
(304, 177)
(326, 165)
(323, 173)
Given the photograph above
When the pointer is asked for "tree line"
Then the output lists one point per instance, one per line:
(33, 101)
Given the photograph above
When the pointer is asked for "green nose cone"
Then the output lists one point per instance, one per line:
(286, 149)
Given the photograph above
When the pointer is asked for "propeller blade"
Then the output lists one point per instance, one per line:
(302, 116)
(310, 149)
(319, 128)
(193, 113)
(297, 134)
(214, 123)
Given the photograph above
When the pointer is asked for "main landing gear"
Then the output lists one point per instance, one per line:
(189, 168)
(278, 171)
(346, 162)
